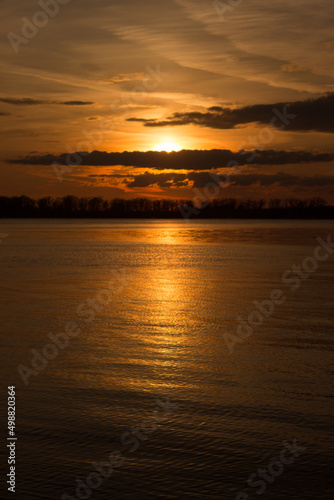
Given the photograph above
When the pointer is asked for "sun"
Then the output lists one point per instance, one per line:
(167, 146)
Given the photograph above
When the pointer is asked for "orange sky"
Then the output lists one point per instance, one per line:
(72, 80)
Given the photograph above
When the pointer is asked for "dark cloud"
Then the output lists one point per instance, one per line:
(27, 101)
(149, 179)
(202, 179)
(302, 116)
(162, 180)
(4, 114)
(282, 179)
(106, 176)
(178, 160)
(77, 103)
(22, 102)
(143, 120)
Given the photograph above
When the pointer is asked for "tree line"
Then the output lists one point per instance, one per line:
(97, 207)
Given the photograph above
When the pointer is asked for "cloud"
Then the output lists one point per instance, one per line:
(131, 77)
(304, 116)
(22, 102)
(256, 28)
(162, 180)
(77, 103)
(4, 114)
(202, 179)
(178, 160)
(291, 68)
(144, 120)
(27, 101)
(282, 179)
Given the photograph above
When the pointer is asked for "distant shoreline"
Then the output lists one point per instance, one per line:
(117, 217)
(72, 207)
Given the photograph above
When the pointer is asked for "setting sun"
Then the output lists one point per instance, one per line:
(167, 146)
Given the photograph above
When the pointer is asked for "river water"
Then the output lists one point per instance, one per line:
(153, 310)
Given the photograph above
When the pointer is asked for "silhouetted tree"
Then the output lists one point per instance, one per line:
(97, 207)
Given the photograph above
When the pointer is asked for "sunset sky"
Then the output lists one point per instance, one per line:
(103, 77)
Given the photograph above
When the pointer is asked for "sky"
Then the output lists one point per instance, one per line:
(129, 98)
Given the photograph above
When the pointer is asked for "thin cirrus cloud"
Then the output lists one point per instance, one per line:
(27, 101)
(304, 116)
(274, 33)
(178, 160)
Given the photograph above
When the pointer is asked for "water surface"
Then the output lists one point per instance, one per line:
(164, 336)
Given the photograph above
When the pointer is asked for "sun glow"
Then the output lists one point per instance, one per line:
(167, 146)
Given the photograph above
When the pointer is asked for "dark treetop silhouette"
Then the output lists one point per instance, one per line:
(223, 208)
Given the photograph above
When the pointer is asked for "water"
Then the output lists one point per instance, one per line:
(163, 335)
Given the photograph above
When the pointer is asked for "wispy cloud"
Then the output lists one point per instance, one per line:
(27, 101)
